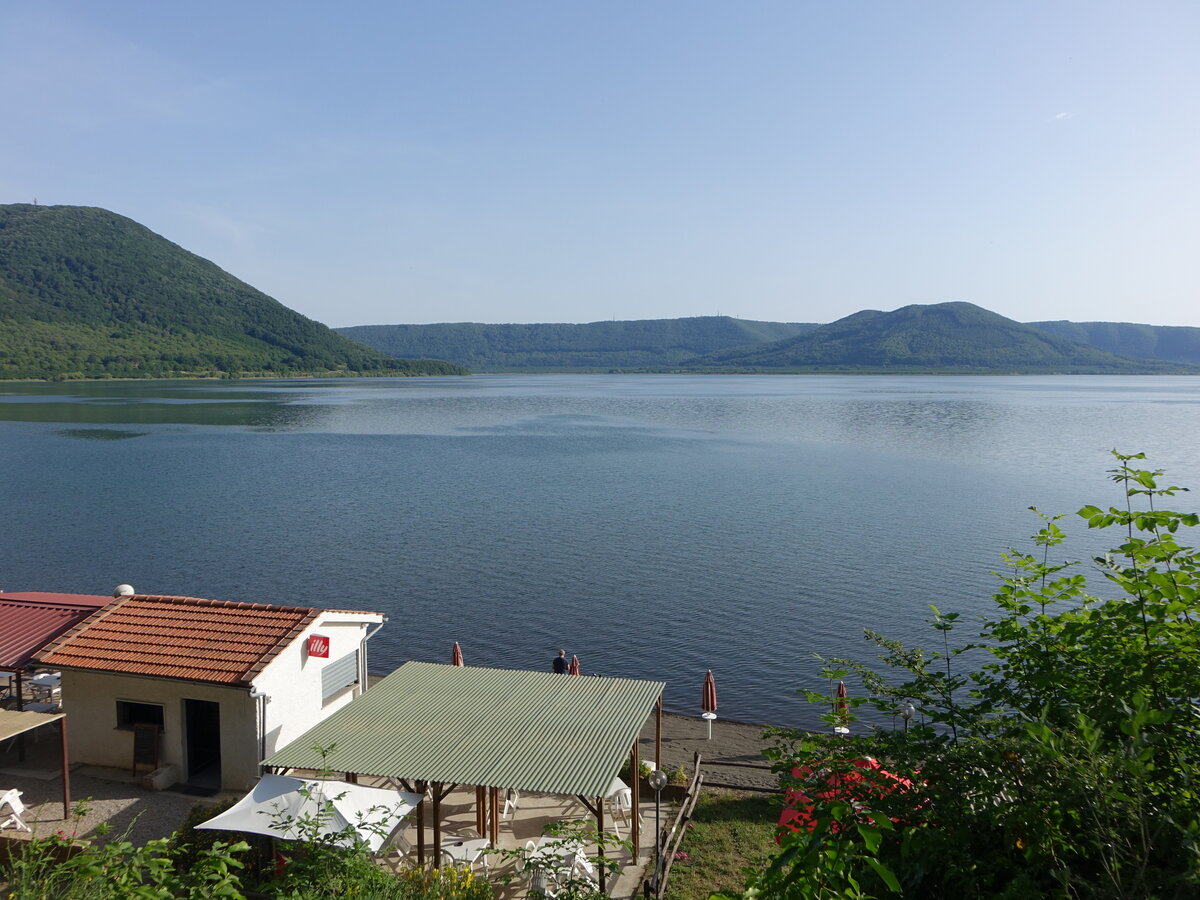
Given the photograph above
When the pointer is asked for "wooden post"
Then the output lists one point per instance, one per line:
(66, 772)
(480, 808)
(421, 824)
(20, 706)
(494, 824)
(437, 822)
(658, 736)
(635, 821)
(600, 832)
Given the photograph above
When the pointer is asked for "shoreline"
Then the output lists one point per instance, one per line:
(731, 742)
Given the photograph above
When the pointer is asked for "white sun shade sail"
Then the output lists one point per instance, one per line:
(293, 808)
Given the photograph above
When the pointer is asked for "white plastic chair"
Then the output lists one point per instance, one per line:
(620, 803)
(12, 799)
(512, 800)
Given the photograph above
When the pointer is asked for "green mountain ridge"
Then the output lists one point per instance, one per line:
(942, 337)
(954, 336)
(87, 293)
(643, 343)
(1170, 343)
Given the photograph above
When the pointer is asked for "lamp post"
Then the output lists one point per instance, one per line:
(657, 780)
(908, 712)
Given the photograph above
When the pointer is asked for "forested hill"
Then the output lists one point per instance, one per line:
(86, 293)
(939, 337)
(648, 343)
(1173, 343)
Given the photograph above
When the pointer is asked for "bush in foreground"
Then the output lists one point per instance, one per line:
(1065, 765)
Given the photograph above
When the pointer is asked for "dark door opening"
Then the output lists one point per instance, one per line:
(202, 744)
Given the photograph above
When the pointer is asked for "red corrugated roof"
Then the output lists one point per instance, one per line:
(180, 637)
(29, 620)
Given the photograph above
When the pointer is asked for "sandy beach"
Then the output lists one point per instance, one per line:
(731, 742)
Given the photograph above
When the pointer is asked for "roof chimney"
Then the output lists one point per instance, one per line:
(123, 590)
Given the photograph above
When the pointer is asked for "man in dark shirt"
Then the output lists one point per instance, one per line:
(560, 663)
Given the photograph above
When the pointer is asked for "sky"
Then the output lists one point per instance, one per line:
(381, 163)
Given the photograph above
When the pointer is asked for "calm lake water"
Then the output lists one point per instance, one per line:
(656, 526)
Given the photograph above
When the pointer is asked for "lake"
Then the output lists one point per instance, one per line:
(657, 526)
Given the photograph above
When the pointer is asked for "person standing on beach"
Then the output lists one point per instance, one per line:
(560, 663)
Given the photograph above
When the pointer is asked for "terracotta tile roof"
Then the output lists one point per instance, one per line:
(180, 637)
(29, 620)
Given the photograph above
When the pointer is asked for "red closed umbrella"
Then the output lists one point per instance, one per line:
(708, 700)
(841, 708)
(573, 668)
(456, 655)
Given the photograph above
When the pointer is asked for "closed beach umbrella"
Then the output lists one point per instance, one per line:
(573, 668)
(841, 707)
(456, 655)
(708, 700)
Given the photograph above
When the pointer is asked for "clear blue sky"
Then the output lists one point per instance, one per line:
(373, 163)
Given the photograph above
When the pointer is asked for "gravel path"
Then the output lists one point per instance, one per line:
(114, 797)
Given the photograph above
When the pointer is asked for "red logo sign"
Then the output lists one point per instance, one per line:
(318, 646)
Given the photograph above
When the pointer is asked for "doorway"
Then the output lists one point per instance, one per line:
(202, 745)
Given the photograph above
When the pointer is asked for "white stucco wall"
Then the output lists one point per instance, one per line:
(90, 701)
(292, 680)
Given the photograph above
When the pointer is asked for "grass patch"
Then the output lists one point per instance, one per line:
(729, 830)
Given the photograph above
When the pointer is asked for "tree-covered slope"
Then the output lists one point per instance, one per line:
(604, 345)
(88, 293)
(1171, 343)
(944, 336)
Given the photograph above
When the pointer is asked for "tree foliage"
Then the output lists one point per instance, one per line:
(1064, 766)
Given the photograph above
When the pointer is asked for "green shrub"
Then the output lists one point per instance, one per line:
(188, 843)
(1064, 765)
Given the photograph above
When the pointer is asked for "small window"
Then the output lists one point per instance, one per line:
(130, 714)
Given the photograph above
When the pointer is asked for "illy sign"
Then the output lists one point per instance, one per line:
(318, 646)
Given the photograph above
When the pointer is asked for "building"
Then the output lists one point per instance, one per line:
(216, 686)
(28, 621)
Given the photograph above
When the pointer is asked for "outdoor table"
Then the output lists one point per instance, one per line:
(46, 684)
(468, 851)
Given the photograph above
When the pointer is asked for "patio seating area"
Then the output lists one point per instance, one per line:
(554, 859)
(37, 692)
(116, 798)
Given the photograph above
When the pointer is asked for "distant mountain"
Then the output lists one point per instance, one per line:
(939, 337)
(648, 343)
(86, 293)
(1171, 343)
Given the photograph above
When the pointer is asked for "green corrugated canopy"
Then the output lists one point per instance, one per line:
(504, 728)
